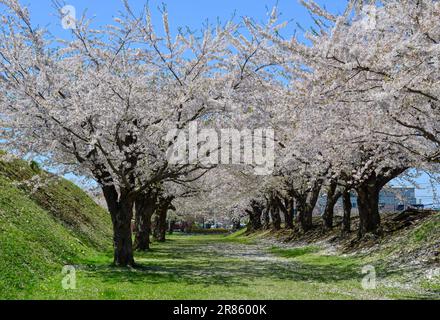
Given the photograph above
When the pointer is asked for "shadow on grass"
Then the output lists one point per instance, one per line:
(214, 263)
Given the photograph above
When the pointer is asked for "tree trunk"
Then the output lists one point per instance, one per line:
(346, 220)
(333, 196)
(368, 199)
(368, 204)
(160, 222)
(121, 211)
(305, 216)
(276, 218)
(306, 205)
(286, 206)
(144, 208)
(266, 219)
(288, 214)
(254, 217)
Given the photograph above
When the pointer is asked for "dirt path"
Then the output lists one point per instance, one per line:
(210, 267)
(238, 264)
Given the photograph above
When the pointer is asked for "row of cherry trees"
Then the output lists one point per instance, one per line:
(101, 103)
(360, 109)
(353, 107)
(365, 93)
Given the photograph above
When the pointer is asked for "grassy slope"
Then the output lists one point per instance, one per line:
(42, 230)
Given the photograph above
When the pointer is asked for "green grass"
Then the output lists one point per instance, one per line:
(241, 236)
(212, 267)
(58, 224)
(43, 230)
(295, 252)
(427, 231)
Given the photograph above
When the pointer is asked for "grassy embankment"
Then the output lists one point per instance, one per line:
(43, 228)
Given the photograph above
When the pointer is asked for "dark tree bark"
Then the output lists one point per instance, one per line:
(346, 220)
(266, 218)
(160, 221)
(120, 207)
(159, 224)
(305, 215)
(368, 204)
(288, 216)
(286, 205)
(145, 206)
(368, 200)
(254, 216)
(333, 195)
(276, 218)
(306, 205)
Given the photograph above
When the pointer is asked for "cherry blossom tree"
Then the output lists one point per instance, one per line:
(102, 104)
(341, 83)
(352, 108)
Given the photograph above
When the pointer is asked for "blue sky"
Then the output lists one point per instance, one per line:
(192, 13)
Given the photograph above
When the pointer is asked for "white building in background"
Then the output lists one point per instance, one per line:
(398, 199)
(391, 199)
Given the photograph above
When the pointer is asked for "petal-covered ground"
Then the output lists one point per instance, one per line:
(219, 267)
